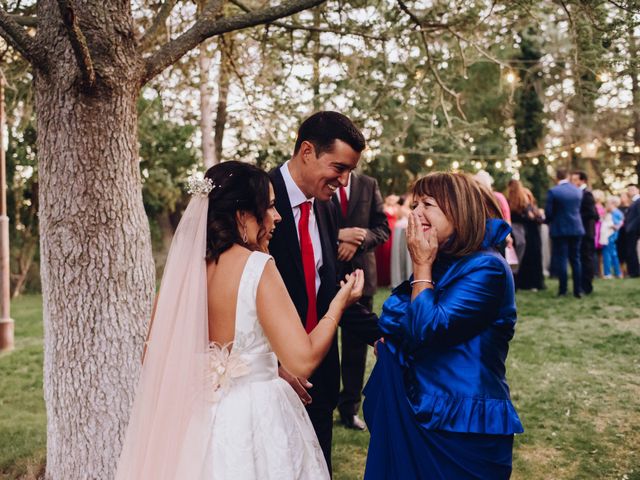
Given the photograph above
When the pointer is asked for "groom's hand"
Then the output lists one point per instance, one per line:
(299, 384)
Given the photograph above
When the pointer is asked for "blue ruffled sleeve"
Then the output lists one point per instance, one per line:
(450, 314)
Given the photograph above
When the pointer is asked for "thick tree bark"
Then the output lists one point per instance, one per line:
(96, 263)
(97, 269)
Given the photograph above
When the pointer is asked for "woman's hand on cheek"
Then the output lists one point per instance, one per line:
(423, 246)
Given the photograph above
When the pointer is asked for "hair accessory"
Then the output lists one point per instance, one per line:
(199, 186)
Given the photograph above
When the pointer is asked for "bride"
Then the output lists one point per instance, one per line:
(209, 403)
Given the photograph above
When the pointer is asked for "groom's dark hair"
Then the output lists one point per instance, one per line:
(322, 129)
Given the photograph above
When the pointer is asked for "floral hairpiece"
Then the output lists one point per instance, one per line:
(198, 186)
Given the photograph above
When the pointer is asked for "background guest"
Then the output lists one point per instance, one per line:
(632, 230)
(401, 267)
(383, 252)
(517, 201)
(611, 225)
(600, 199)
(562, 213)
(589, 217)
(621, 244)
(362, 227)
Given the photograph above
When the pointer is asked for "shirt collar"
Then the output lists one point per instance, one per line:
(563, 181)
(635, 197)
(583, 186)
(296, 196)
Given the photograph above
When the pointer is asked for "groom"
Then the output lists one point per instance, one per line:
(304, 247)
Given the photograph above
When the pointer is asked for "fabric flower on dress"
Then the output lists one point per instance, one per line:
(224, 366)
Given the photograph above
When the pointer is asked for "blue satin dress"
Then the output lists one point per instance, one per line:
(437, 402)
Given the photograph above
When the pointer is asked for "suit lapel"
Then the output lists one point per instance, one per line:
(354, 193)
(287, 227)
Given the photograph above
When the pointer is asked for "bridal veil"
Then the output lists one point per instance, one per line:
(171, 416)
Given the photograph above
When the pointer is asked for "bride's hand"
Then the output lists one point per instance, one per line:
(350, 289)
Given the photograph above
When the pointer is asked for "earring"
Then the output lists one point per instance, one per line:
(245, 238)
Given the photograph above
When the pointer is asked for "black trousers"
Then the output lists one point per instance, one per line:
(352, 366)
(587, 263)
(633, 269)
(322, 420)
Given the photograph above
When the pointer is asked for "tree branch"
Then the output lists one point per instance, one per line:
(159, 21)
(78, 43)
(295, 26)
(24, 21)
(206, 27)
(19, 39)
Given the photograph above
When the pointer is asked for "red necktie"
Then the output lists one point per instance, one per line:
(344, 203)
(308, 265)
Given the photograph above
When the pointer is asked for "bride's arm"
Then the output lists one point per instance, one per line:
(298, 352)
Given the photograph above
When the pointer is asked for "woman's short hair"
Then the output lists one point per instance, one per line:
(237, 187)
(467, 205)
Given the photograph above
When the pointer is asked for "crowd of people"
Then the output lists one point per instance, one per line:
(598, 230)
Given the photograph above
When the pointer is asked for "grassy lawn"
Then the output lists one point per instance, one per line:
(574, 371)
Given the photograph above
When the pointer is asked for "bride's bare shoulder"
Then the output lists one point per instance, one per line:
(232, 259)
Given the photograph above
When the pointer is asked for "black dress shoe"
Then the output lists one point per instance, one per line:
(577, 295)
(353, 421)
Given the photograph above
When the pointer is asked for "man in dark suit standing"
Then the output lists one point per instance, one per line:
(632, 231)
(363, 226)
(304, 247)
(562, 212)
(589, 216)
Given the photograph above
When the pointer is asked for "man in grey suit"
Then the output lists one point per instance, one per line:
(362, 227)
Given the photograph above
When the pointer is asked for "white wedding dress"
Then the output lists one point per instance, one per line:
(260, 427)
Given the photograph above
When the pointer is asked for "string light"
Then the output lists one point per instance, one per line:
(510, 77)
(498, 164)
(429, 162)
(578, 150)
(564, 154)
(535, 160)
(455, 165)
(400, 158)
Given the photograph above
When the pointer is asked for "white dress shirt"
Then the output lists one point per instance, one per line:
(296, 198)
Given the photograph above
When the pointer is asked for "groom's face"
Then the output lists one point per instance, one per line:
(324, 174)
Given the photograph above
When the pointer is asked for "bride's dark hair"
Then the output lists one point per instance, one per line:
(237, 187)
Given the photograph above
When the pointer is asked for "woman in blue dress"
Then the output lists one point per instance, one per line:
(437, 402)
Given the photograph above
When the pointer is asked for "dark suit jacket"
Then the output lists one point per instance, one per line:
(588, 213)
(562, 211)
(285, 249)
(632, 219)
(365, 210)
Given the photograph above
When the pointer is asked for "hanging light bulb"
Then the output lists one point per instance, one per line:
(429, 162)
(400, 158)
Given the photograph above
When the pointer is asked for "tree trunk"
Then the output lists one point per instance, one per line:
(97, 268)
(206, 115)
(223, 93)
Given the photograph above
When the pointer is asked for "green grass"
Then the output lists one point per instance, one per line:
(574, 371)
(22, 414)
